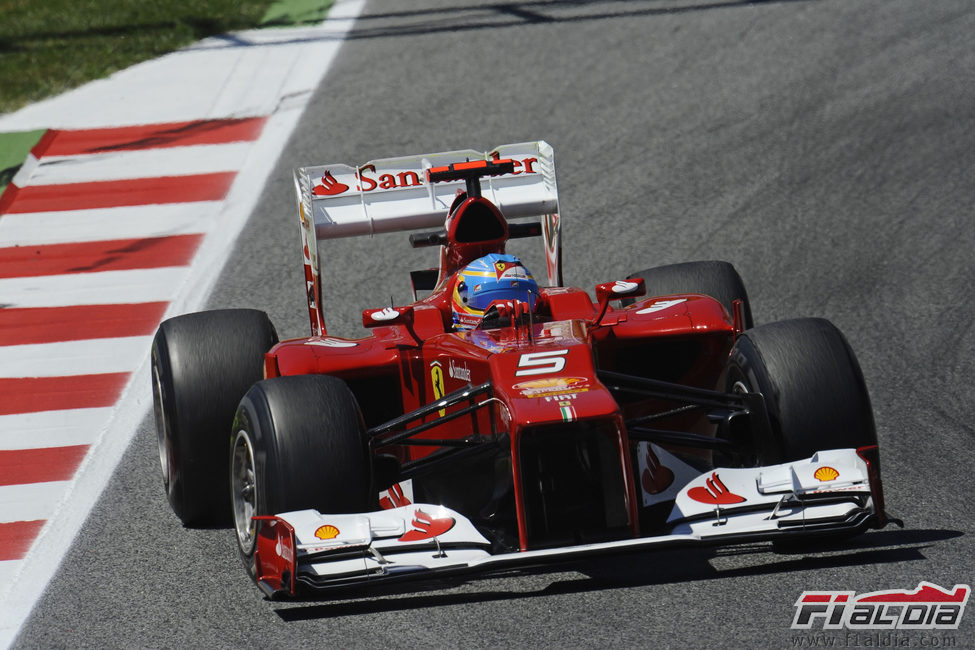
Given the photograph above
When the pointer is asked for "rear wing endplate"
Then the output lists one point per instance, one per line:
(394, 195)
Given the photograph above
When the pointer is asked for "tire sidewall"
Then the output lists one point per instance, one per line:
(814, 391)
(309, 449)
(248, 424)
(166, 445)
(747, 373)
(202, 364)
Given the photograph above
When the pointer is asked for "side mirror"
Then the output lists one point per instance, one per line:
(617, 290)
(387, 316)
(620, 289)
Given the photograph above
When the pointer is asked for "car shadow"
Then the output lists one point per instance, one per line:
(485, 16)
(620, 571)
(495, 15)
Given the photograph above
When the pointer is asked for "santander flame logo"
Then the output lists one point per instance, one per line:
(656, 477)
(330, 186)
(395, 498)
(426, 527)
(716, 493)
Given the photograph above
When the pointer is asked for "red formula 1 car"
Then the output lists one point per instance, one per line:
(495, 423)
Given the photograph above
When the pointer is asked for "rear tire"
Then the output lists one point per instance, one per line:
(813, 387)
(202, 364)
(298, 444)
(717, 279)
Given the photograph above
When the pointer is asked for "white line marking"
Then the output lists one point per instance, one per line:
(104, 288)
(32, 501)
(8, 570)
(53, 428)
(130, 222)
(68, 358)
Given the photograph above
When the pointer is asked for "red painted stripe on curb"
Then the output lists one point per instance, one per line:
(149, 136)
(115, 194)
(44, 143)
(16, 538)
(90, 257)
(35, 394)
(7, 198)
(20, 466)
(23, 325)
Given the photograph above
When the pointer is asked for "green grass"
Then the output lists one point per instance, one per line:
(50, 46)
(14, 148)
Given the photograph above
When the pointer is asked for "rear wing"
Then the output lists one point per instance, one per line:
(394, 195)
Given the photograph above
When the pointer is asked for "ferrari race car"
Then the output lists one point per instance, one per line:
(495, 423)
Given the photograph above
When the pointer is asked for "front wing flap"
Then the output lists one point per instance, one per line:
(833, 491)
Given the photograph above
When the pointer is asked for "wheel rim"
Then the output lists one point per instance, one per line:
(746, 453)
(162, 426)
(740, 388)
(244, 490)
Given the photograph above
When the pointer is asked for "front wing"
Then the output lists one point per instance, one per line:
(832, 492)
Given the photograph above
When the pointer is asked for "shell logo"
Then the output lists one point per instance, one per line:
(328, 531)
(825, 473)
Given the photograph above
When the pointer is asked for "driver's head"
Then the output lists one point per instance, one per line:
(486, 279)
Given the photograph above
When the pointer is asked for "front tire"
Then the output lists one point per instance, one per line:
(298, 444)
(202, 364)
(813, 387)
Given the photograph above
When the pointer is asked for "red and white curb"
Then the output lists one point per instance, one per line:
(80, 309)
(123, 214)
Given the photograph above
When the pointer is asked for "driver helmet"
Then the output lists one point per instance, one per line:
(486, 279)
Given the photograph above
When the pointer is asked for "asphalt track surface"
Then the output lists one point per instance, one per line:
(826, 148)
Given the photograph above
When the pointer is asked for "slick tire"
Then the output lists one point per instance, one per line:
(298, 443)
(202, 364)
(717, 279)
(813, 387)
